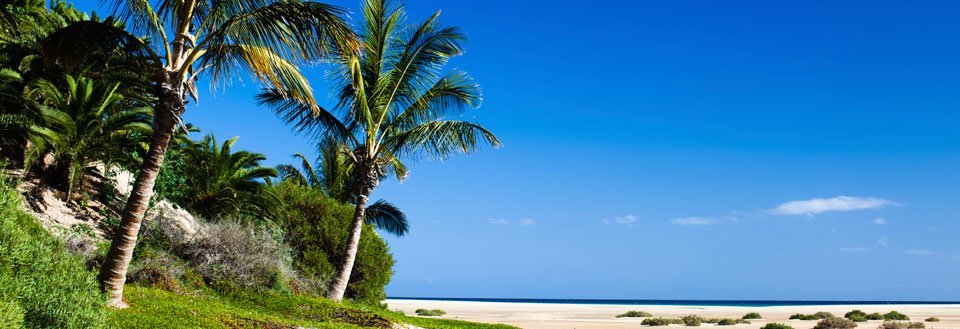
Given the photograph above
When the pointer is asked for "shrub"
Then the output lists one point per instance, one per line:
(229, 254)
(656, 322)
(855, 313)
(875, 316)
(316, 226)
(901, 325)
(815, 316)
(835, 323)
(41, 283)
(692, 320)
(858, 318)
(932, 319)
(433, 312)
(727, 322)
(775, 325)
(894, 315)
(751, 316)
(635, 314)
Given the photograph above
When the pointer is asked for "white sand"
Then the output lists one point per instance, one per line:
(568, 316)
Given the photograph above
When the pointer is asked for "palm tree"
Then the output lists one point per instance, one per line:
(394, 102)
(335, 180)
(83, 124)
(190, 39)
(221, 181)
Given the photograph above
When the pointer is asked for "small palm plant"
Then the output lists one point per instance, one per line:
(82, 124)
(395, 102)
(335, 180)
(222, 181)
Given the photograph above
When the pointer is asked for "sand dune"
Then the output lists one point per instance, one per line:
(579, 316)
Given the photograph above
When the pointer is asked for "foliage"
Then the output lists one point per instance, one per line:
(155, 308)
(222, 182)
(835, 323)
(875, 316)
(932, 319)
(730, 322)
(433, 312)
(84, 123)
(335, 178)
(656, 322)
(902, 325)
(894, 315)
(11, 314)
(775, 325)
(39, 279)
(815, 316)
(751, 316)
(692, 320)
(635, 314)
(316, 227)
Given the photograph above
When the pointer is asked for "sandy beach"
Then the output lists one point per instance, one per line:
(581, 316)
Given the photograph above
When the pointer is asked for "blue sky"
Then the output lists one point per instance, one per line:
(681, 150)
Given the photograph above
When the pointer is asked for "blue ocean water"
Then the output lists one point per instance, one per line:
(748, 303)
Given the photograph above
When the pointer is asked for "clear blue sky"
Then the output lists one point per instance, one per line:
(653, 149)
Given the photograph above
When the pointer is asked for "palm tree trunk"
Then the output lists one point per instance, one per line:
(71, 177)
(113, 273)
(339, 286)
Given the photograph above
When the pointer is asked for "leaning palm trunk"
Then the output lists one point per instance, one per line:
(366, 181)
(114, 270)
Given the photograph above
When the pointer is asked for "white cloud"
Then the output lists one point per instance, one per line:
(883, 242)
(694, 221)
(528, 221)
(879, 221)
(625, 220)
(840, 203)
(499, 221)
(921, 252)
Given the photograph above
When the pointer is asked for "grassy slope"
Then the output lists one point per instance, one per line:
(155, 308)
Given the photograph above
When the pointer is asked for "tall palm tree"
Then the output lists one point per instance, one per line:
(222, 181)
(334, 178)
(394, 102)
(82, 124)
(190, 39)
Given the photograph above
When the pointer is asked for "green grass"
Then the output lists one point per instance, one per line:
(156, 308)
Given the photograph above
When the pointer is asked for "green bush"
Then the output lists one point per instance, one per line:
(751, 316)
(894, 315)
(692, 320)
(858, 318)
(433, 312)
(875, 316)
(635, 314)
(317, 226)
(656, 322)
(835, 323)
(727, 322)
(932, 319)
(814, 316)
(901, 325)
(38, 277)
(855, 313)
(775, 325)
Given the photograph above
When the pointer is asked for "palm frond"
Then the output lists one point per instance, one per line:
(440, 139)
(387, 217)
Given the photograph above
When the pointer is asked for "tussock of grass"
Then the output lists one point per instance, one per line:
(752, 316)
(897, 316)
(433, 312)
(835, 323)
(775, 325)
(692, 320)
(932, 319)
(656, 322)
(635, 314)
(814, 316)
(902, 325)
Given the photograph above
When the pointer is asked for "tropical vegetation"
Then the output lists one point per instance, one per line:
(396, 103)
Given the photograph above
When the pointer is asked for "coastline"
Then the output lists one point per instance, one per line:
(603, 316)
